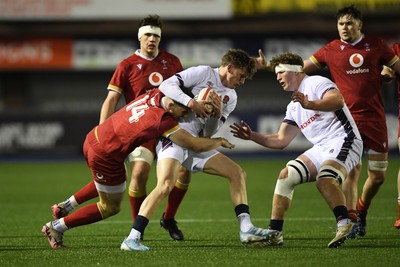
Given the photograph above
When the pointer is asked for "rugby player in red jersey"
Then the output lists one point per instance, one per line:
(391, 75)
(106, 146)
(135, 75)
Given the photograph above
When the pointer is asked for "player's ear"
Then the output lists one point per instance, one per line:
(169, 104)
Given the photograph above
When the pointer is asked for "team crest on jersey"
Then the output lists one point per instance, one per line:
(356, 60)
(155, 79)
(139, 66)
(367, 46)
(164, 64)
(342, 47)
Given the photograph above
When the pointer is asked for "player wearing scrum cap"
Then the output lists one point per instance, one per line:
(236, 67)
(318, 111)
(141, 72)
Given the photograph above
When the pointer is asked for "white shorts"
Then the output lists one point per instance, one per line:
(192, 161)
(346, 154)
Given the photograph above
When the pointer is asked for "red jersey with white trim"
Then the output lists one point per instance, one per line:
(356, 70)
(139, 121)
(396, 49)
(137, 74)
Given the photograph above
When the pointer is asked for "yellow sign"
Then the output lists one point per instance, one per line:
(253, 7)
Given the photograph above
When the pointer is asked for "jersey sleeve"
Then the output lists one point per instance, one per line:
(117, 82)
(318, 58)
(169, 125)
(171, 87)
(288, 116)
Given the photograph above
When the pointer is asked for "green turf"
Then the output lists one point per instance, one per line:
(206, 216)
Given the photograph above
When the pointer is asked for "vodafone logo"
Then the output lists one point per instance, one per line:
(356, 60)
(155, 79)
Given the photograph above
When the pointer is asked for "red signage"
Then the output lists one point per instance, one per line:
(36, 53)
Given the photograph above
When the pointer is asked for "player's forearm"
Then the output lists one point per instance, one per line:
(170, 88)
(106, 111)
(268, 140)
(330, 104)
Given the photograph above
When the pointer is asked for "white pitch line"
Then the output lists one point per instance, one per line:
(234, 220)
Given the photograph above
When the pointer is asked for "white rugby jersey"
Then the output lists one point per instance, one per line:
(320, 126)
(195, 79)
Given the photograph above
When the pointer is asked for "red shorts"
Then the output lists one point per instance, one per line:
(374, 135)
(105, 170)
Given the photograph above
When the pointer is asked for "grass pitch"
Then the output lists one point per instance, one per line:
(206, 217)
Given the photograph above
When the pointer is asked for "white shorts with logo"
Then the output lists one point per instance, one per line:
(191, 160)
(348, 154)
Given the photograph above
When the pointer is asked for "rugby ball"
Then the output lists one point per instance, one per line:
(205, 97)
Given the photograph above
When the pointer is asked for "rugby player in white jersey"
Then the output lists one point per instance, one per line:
(318, 111)
(236, 67)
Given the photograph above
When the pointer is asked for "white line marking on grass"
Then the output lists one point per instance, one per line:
(204, 220)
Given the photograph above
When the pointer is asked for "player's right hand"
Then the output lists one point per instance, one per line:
(242, 130)
(225, 143)
(200, 110)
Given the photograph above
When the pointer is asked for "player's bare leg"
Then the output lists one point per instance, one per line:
(376, 177)
(167, 173)
(137, 185)
(175, 198)
(350, 190)
(223, 166)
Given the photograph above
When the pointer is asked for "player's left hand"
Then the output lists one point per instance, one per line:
(216, 102)
(261, 62)
(300, 98)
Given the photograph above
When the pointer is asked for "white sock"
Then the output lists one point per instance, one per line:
(244, 222)
(70, 204)
(134, 234)
(343, 222)
(59, 225)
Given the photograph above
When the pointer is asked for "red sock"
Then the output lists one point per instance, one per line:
(86, 193)
(353, 215)
(85, 215)
(174, 200)
(362, 207)
(136, 202)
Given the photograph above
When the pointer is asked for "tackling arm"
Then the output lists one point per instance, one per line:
(171, 88)
(198, 144)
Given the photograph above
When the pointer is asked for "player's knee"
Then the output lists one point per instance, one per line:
(296, 172)
(238, 174)
(378, 165)
(141, 154)
(165, 188)
(108, 209)
(184, 176)
(377, 171)
(330, 172)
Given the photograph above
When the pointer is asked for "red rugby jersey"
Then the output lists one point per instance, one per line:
(356, 70)
(139, 121)
(136, 75)
(396, 49)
